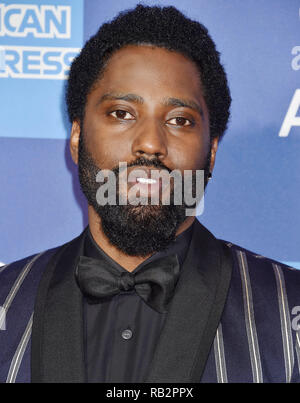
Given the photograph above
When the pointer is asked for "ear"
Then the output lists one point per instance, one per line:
(74, 140)
(213, 152)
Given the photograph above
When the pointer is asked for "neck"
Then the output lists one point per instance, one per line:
(128, 262)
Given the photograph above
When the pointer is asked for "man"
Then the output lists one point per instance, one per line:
(146, 293)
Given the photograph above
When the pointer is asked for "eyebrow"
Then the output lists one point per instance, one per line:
(185, 103)
(123, 97)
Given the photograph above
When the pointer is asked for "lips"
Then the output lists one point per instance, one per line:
(144, 181)
(148, 181)
(141, 183)
(139, 172)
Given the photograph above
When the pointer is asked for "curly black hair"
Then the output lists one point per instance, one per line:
(164, 27)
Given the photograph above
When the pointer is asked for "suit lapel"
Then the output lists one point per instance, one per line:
(195, 311)
(57, 335)
(57, 353)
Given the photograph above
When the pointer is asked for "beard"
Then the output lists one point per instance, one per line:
(136, 230)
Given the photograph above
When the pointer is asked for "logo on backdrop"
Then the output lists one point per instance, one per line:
(28, 25)
(292, 117)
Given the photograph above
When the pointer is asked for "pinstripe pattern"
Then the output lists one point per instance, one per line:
(16, 286)
(285, 320)
(220, 367)
(249, 319)
(19, 281)
(17, 359)
(3, 267)
(220, 356)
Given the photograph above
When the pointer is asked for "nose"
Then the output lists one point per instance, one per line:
(150, 141)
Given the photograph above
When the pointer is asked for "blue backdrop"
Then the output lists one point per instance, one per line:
(254, 197)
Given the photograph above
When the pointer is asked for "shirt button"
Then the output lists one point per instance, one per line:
(127, 334)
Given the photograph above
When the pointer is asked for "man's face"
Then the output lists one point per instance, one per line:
(147, 106)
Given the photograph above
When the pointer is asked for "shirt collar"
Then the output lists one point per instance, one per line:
(179, 247)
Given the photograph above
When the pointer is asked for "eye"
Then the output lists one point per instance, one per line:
(180, 121)
(120, 114)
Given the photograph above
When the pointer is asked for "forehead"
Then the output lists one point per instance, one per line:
(151, 70)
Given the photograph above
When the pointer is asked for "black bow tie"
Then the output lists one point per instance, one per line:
(154, 282)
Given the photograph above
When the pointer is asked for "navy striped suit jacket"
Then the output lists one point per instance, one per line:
(255, 339)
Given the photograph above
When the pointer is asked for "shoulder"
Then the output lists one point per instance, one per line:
(257, 259)
(19, 282)
(38, 259)
(264, 272)
(14, 274)
(29, 270)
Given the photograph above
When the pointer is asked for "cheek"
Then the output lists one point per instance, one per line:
(192, 155)
(106, 148)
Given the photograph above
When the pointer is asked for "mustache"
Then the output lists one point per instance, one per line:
(142, 161)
